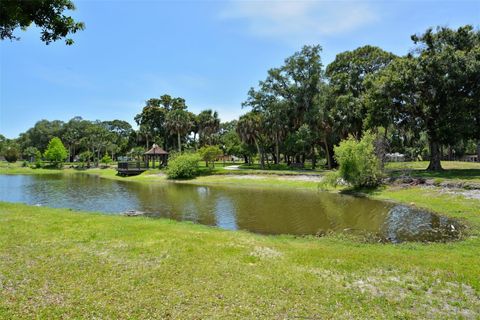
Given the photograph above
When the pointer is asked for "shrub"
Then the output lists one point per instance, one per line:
(38, 159)
(358, 163)
(12, 154)
(330, 179)
(106, 159)
(56, 152)
(183, 166)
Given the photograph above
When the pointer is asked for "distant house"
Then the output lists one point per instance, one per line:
(395, 157)
(470, 158)
(227, 157)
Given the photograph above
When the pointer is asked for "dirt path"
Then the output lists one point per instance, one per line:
(304, 177)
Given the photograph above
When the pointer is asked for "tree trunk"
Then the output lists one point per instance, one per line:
(435, 157)
(478, 150)
(331, 163)
(179, 142)
(260, 153)
(314, 158)
(277, 150)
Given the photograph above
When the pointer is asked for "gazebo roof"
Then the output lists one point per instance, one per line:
(156, 150)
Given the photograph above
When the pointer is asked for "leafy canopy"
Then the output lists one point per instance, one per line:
(45, 14)
(56, 152)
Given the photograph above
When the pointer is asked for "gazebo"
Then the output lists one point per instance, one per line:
(156, 153)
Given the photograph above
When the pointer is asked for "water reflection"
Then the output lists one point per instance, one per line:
(256, 210)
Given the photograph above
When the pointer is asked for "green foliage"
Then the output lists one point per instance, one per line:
(11, 152)
(208, 125)
(56, 152)
(38, 159)
(434, 90)
(358, 163)
(46, 15)
(178, 123)
(29, 153)
(330, 179)
(85, 158)
(209, 154)
(347, 75)
(283, 102)
(152, 121)
(106, 159)
(183, 166)
(137, 153)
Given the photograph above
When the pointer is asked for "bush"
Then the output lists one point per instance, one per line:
(106, 159)
(12, 154)
(330, 179)
(358, 163)
(38, 159)
(183, 166)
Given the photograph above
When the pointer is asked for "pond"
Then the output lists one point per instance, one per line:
(265, 211)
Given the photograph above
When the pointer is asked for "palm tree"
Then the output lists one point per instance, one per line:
(178, 121)
(208, 125)
(249, 129)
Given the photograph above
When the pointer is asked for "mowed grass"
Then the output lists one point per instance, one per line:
(453, 170)
(55, 263)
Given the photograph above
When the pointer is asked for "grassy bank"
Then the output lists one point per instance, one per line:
(60, 264)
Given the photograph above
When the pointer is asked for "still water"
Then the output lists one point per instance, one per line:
(256, 210)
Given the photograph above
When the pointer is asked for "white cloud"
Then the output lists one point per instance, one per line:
(299, 20)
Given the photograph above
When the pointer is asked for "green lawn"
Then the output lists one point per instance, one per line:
(453, 170)
(57, 263)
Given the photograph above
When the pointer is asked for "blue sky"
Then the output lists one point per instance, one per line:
(208, 52)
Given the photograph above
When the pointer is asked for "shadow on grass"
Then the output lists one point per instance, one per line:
(463, 174)
(363, 192)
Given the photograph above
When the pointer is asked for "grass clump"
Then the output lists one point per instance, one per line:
(183, 166)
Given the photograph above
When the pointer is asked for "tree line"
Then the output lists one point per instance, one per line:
(429, 96)
(425, 104)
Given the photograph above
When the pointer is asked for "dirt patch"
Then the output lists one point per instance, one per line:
(278, 177)
(265, 252)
